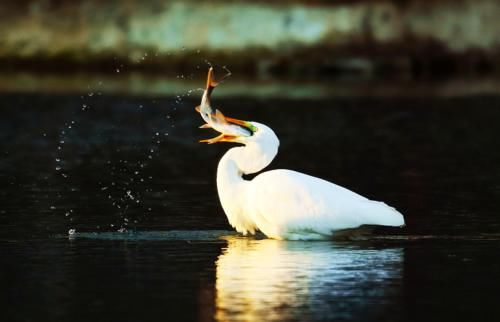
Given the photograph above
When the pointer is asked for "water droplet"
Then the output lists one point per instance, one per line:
(66, 214)
(58, 168)
(58, 160)
(117, 70)
(122, 230)
(72, 231)
(90, 94)
(52, 207)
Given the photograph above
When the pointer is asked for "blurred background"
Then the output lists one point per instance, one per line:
(396, 100)
(399, 41)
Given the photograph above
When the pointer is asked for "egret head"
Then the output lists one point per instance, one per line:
(231, 129)
(261, 144)
(238, 131)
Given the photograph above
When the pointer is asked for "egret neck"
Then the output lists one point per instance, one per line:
(250, 158)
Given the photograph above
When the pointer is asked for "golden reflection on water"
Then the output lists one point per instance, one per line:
(270, 280)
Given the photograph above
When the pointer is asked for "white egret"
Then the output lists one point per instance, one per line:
(282, 204)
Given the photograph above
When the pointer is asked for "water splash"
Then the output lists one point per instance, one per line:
(181, 235)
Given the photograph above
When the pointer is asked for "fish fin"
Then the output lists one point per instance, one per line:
(198, 109)
(205, 126)
(220, 117)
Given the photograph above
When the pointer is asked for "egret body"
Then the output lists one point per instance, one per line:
(283, 204)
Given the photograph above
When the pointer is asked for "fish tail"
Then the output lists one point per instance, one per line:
(211, 83)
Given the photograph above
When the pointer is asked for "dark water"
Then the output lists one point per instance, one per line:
(133, 164)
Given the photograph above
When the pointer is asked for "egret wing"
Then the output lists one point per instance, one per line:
(288, 201)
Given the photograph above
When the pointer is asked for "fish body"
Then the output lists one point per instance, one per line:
(214, 118)
(205, 108)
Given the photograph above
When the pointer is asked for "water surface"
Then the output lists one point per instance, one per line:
(152, 242)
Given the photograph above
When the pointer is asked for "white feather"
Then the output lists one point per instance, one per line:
(286, 204)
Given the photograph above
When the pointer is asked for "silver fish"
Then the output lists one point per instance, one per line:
(215, 119)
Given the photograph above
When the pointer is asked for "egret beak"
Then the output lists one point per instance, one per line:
(244, 124)
(222, 119)
(220, 138)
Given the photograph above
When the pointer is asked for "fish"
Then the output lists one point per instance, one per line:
(205, 107)
(214, 119)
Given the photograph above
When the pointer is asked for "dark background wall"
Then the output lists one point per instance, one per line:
(370, 39)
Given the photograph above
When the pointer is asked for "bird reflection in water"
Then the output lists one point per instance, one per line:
(270, 280)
